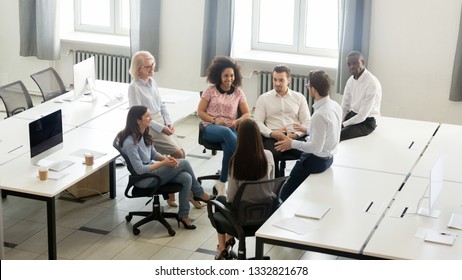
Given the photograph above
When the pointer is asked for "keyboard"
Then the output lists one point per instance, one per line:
(60, 165)
(112, 103)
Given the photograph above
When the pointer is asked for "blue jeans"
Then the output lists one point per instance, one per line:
(183, 175)
(306, 165)
(228, 141)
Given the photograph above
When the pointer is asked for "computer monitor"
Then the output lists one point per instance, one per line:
(45, 137)
(84, 77)
(435, 185)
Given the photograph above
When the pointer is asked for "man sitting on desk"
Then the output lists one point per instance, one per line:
(361, 99)
(277, 111)
(321, 145)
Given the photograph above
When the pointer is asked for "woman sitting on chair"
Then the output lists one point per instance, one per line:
(218, 109)
(250, 162)
(136, 142)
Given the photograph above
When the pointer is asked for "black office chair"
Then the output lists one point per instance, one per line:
(247, 213)
(15, 97)
(49, 82)
(154, 189)
(280, 166)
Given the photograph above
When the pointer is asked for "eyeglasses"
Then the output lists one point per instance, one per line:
(307, 85)
(149, 67)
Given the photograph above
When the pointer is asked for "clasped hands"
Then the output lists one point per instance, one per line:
(284, 137)
(168, 129)
(226, 122)
(171, 161)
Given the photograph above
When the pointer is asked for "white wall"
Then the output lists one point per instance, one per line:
(412, 50)
(412, 53)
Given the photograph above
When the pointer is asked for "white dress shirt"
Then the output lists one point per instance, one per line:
(273, 111)
(362, 96)
(326, 124)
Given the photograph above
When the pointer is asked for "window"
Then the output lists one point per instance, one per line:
(296, 26)
(102, 16)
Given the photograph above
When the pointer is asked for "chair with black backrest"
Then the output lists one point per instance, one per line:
(281, 165)
(153, 190)
(16, 98)
(247, 213)
(49, 82)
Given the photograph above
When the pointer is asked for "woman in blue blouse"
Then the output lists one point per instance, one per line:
(136, 142)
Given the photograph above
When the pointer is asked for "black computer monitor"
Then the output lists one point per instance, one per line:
(45, 136)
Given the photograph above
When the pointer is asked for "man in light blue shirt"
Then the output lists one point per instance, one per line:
(321, 145)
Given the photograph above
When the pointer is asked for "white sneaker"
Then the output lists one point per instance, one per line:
(221, 188)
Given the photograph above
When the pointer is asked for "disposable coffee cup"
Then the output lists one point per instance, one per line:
(89, 159)
(43, 173)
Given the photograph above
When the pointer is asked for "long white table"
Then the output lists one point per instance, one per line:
(395, 146)
(347, 225)
(446, 143)
(180, 104)
(398, 147)
(78, 112)
(87, 125)
(15, 138)
(18, 177)
(397, 237)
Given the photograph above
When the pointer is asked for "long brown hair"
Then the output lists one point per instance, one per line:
(132, 128)
(249, 162)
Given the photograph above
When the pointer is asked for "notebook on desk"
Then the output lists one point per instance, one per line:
(312, 210)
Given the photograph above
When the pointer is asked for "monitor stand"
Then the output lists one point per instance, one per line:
(434, 213)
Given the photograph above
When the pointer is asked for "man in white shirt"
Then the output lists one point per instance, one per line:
(321, 144)
(361, 99)
(276, 113)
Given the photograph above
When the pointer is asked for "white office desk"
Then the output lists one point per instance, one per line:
(19, 177)
(395, 237)
(15, 138)
(78, 112)
(180, 104)
(346, 227)
(394, 146)
(447, 143)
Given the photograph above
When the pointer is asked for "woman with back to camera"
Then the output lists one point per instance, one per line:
(250, 162)
(143, 91)
(136, 142)
(218, 109)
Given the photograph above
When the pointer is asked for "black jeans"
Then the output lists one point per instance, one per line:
(359, 129)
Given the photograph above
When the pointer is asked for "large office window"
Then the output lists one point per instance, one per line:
(102, 16)
(307, 27)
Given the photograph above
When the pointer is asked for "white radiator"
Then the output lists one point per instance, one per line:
(297, 84)
(109, 67)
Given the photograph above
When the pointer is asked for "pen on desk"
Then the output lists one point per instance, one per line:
(15, 149)
(410, 146)
(448, 234)
(404, 212)
(369, 207)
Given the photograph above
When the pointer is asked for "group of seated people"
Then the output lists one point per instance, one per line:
(252, 145)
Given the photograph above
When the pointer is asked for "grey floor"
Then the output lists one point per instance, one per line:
(94, 228)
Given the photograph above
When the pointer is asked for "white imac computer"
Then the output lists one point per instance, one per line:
(84, 78)
(434, 189)
(45, 137)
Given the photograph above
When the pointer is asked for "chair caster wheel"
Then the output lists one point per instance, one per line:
(136, 231)
(128, 218)
(171, 232)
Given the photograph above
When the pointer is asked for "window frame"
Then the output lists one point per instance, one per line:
(115, 27)
(299, 36)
